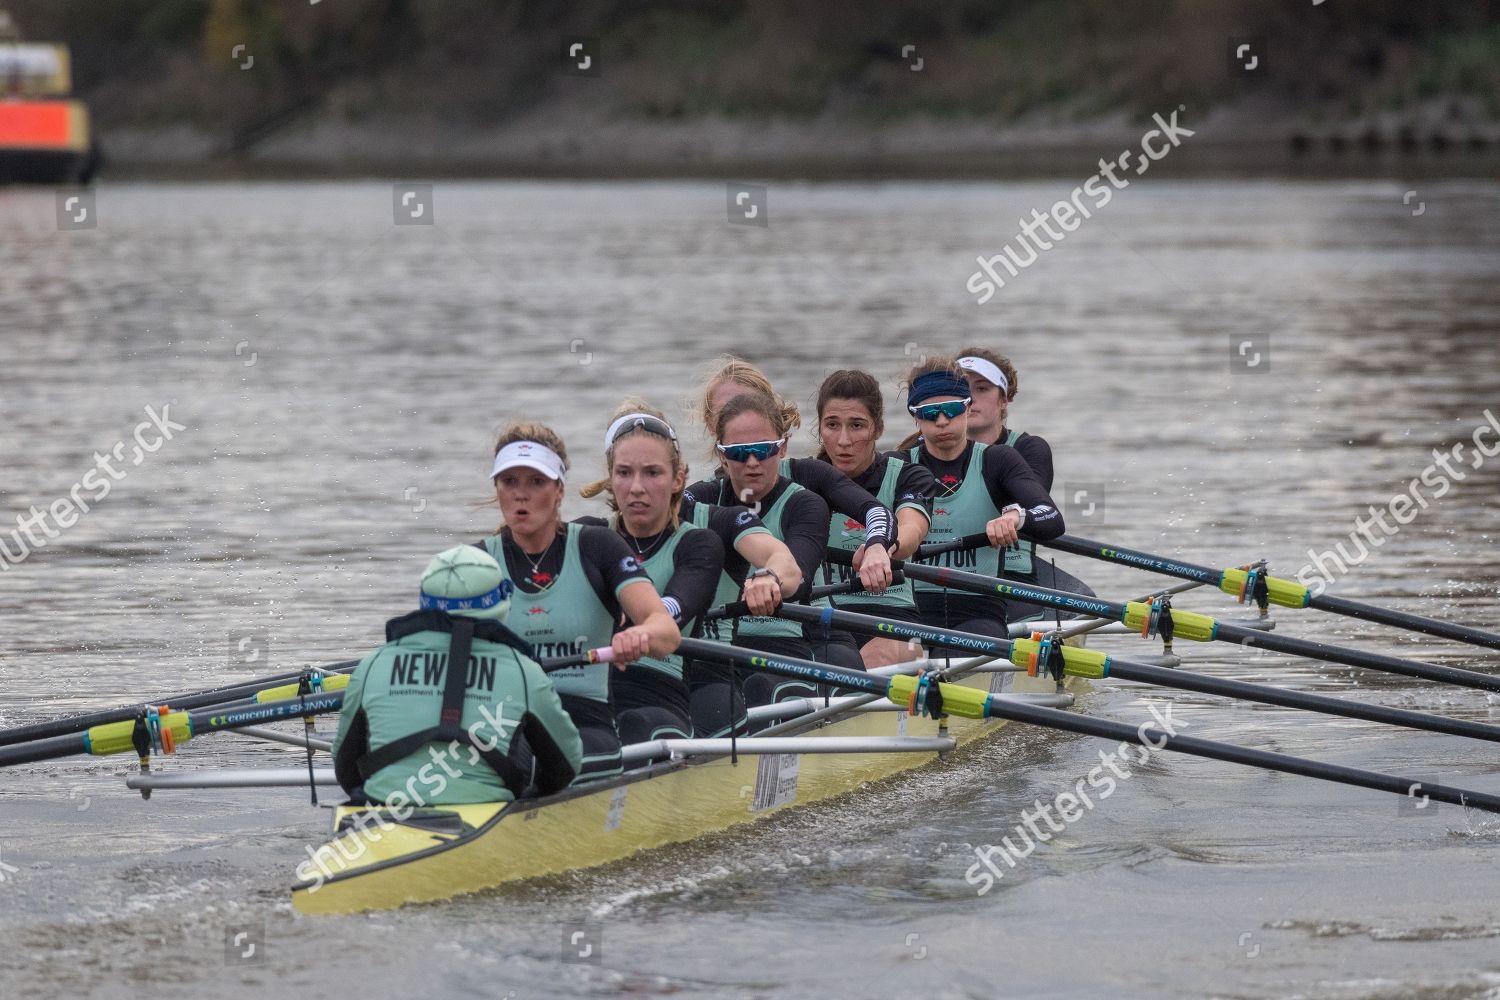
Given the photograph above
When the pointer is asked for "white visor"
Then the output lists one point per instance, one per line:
(988, 369)
(531, 455)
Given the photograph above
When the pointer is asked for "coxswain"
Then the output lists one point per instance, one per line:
(978, 488)
(850, 422)
(574, 583)
(432, 717)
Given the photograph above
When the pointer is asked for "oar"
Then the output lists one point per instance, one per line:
(604, 654)
(923, 695)
(1091, 663)
(739, 609)
(1146, 618)
(163, 731)
(1242, 585)
(104, 737)
(195, 699)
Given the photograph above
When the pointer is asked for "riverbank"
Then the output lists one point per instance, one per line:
(568, 142)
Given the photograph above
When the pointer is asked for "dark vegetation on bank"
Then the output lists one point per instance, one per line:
(1368, 69)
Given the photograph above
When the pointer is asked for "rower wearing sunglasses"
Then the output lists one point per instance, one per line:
(732, 376)
(749, 443)
(661, 697)
(572, 584)
(979, 488)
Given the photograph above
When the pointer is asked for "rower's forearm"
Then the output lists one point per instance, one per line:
(909, 537)
(664, 634)
(784, 565)
(1045, 524)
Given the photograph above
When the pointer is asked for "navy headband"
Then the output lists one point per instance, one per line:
(477, 603)
(931, 384)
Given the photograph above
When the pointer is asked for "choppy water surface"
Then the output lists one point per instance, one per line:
(340, 380)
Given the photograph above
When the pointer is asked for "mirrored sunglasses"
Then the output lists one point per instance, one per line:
(753, 449)
(931, 411)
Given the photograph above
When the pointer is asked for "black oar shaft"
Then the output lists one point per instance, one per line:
(1187, 681)
(1222, 631)
(1402, 619)
(1229, 753)
(1322, 602)
(214, 719)
(819, 673)
(47, 749)
(1146, 673)
(195, 699)
(1140, 560)
(1356, 658)
(205, 721)
(998, 707)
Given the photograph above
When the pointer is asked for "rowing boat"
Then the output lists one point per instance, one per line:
(374, 861)
(890, 720)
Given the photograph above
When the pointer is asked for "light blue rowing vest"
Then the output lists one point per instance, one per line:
(565, 619)
(848, 534)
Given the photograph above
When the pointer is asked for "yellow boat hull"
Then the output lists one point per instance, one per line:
(451, 850)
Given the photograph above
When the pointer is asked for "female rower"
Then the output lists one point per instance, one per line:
(748, 432)
(993, 383)
(850, 423)
(685, 548)
(979, 488)
(872, 560)
(572, 582)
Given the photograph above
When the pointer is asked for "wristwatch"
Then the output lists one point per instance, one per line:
(764, 571)
(1019, 510)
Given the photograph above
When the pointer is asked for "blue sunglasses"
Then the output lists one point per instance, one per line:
(754, 449)
(952, 409)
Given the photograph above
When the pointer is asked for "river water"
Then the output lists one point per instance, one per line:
(338, 380)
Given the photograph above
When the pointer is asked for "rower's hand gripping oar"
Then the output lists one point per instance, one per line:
(1147, 618)
(927, 696)
(739, 609)
(1287, 593)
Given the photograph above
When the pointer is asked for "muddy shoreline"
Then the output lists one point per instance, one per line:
(563, 146)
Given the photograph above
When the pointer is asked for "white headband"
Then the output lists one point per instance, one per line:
(648, 421)
(532, 455)
(988, 369)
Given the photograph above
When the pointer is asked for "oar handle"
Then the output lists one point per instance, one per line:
(739, 609)
(964, 543)
(604, 654)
